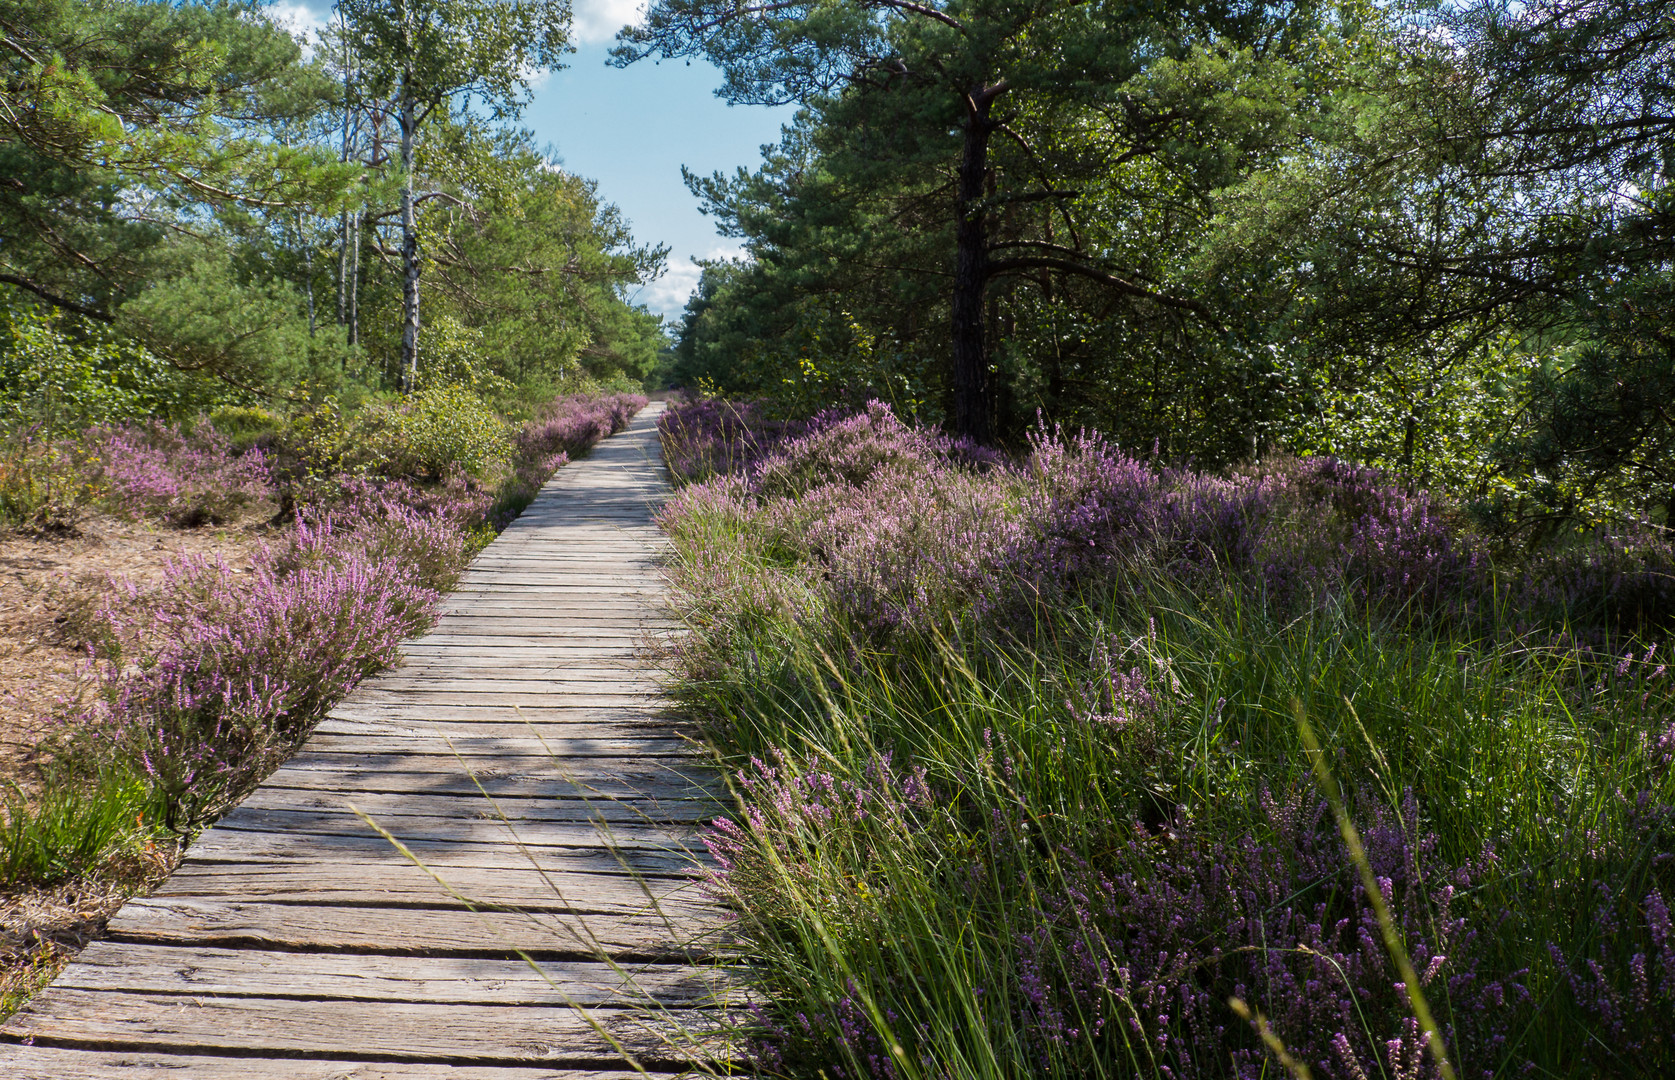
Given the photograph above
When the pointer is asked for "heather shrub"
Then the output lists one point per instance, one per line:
(233, 670)
(184, 476)
(1021, 789)
(1620, 580)
(713, 436)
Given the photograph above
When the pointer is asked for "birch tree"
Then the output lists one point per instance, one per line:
(435, 55)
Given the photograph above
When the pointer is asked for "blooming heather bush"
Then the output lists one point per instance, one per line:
(428, 530)
(185, 477)
(711, 437)
(1091, 666)
(236, 668)
(1156, 939)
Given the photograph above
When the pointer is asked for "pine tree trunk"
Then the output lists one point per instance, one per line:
(409, 245)
(971, 277)
(343, 269)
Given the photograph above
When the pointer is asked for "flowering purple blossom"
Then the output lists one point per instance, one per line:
(186, 477)
(1125, 946)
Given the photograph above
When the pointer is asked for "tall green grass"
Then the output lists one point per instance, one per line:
(68, 825)
(888, 942)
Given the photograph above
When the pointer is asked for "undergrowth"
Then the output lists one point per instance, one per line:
(1023, 790)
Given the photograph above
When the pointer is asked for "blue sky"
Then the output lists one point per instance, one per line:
(632, 130)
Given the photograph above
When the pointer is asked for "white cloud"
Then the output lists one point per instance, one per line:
(302, 20)
(669, 293)
(596, 21)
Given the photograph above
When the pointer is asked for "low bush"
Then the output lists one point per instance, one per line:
(235, 669)
(1022, 789)
(183, 476)
(442, 428)
(43, 484)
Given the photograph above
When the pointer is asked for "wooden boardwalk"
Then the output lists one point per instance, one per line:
(520, 753)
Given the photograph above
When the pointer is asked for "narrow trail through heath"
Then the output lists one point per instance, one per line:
(522, 755)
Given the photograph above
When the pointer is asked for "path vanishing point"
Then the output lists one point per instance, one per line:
(522, 754)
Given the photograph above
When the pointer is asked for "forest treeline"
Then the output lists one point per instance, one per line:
(1433, 237)
(200, 206)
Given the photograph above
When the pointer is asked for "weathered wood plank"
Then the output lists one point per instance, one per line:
(482, 637)
(172, 969)
(565, 713)
(440, 696)
(414, 931)
(627, 811)
(599, 787)
(559, 683)
(470, 826)
(55, 1063)
(489, 1034)
(485, 844)
(403, 885)
(549, 740)
(424, 732)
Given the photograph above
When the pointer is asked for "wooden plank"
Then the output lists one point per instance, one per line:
(633, 669)
(541, 935)
(483, 637)
(237, 846)
(622, 770)
(436, 696)
(647, 712)
(171, 969)
(582, 783)
(474, 824)
(397, 885)
(559, 683)
(55, 1063)
(423, 733)
(487, 1034)
(577, 648)
(604, 658)
(549, 740)
(412, 804)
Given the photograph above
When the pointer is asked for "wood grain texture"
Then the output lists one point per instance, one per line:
(534, 934)
(51, 1063)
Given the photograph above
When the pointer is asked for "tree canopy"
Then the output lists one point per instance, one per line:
(1434, 238)
(194, 178)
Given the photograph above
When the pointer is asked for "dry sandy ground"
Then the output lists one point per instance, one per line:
(51, 587)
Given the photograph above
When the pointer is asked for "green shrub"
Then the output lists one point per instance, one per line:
(246, 425)
(41, 485)
(444, 427)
